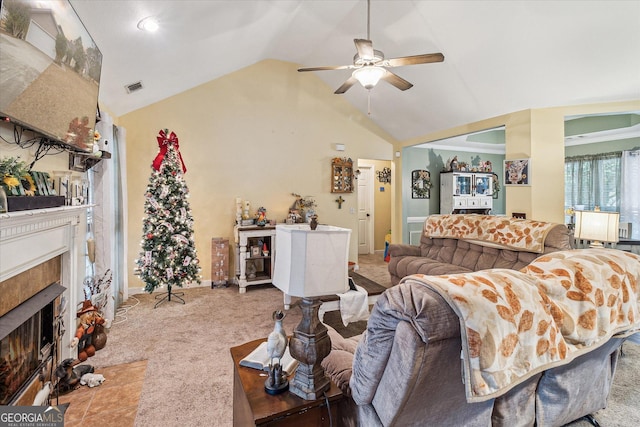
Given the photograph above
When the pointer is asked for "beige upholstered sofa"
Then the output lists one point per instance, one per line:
(446, 255)
(405, 369)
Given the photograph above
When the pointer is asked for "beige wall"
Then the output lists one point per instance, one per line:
(259, 134)
(537, 134)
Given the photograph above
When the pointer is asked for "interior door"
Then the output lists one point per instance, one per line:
(365, 209)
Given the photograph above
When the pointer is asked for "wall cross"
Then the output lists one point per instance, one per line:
(340, 201)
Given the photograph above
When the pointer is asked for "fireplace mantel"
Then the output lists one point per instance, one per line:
(28, 238)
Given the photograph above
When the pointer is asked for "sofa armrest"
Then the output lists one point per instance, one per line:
(399, 249)
(423, 310)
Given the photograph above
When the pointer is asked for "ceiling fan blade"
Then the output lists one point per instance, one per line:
(396, 80)
(365, 49)
(337, 67)
(346, 85)
(416, 59)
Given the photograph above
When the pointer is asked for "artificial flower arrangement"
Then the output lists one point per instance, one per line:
(12, 170)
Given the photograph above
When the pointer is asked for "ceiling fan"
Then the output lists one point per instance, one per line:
(370, 66)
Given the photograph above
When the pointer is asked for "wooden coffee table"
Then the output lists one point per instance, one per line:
(252, 406)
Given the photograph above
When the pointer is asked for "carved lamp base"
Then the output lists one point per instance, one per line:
(309, 345)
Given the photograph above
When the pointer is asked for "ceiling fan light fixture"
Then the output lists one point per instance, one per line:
(369, 76)
(148, 24)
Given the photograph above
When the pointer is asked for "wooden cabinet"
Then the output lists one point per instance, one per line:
(341, 175)
(255, 255)
(466, 192)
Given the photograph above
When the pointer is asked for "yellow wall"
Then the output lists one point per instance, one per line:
(259, 134)
(382, 204)
(537, 134)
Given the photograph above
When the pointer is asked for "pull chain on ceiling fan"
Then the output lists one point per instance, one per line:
(369, 65)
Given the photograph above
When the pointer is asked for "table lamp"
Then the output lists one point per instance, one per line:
(597, 226)
(309, 264)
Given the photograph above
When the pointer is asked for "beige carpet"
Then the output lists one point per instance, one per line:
(189, 376)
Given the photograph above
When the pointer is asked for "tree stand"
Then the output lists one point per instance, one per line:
(166, 296)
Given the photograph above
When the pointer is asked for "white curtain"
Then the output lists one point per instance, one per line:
(630, 200)
(593, 180)
(109, 213)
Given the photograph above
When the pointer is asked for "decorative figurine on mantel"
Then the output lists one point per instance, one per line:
(277, 381)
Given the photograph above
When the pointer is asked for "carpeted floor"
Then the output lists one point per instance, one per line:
(189, 375)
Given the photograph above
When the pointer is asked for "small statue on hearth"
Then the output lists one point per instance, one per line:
(314, 222)
(69, 374)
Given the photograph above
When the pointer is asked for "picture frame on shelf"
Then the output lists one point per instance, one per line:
(255, 251)
(517, 172)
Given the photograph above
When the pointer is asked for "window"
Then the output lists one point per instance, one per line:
(630, 203)
(593, 180)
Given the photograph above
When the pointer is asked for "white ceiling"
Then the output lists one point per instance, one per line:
(500, 56)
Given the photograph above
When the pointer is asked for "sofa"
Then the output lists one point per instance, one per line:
(418, 362)
(443, 251)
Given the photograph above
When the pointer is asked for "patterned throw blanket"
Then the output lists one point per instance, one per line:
(515, 324)
(515, 234)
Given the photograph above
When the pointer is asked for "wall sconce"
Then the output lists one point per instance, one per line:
(384, 175)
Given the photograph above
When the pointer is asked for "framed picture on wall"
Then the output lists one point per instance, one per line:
(420, 184)
(517, 172)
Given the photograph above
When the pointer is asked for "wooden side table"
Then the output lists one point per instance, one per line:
(252, 406)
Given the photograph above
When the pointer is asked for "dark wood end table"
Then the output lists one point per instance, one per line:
(252, 406)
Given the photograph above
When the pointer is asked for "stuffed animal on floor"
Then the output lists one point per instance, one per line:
(92, 380)
(69, 376)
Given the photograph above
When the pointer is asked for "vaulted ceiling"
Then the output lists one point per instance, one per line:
(500, 56)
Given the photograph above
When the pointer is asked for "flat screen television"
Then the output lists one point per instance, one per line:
(49, 71)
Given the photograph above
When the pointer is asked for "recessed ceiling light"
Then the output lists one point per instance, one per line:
(149, 24)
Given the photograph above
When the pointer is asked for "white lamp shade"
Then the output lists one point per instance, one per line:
(597, 226)
(311, 263)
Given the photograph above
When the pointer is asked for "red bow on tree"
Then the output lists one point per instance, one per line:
(163, 143)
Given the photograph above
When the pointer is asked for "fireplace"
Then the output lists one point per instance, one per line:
(28, 349)
(41, 267)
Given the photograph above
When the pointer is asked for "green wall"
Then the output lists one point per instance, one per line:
(602, 147)
(434, 161)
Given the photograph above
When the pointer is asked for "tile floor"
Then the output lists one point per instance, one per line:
(114, 403)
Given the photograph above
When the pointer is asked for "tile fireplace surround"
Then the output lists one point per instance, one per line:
(38, 248)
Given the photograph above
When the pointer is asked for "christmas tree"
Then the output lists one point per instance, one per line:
(168, 256)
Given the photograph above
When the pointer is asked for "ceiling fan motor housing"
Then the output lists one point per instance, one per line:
(378, 56)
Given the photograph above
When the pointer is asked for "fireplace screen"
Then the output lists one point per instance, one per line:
(20, 352)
